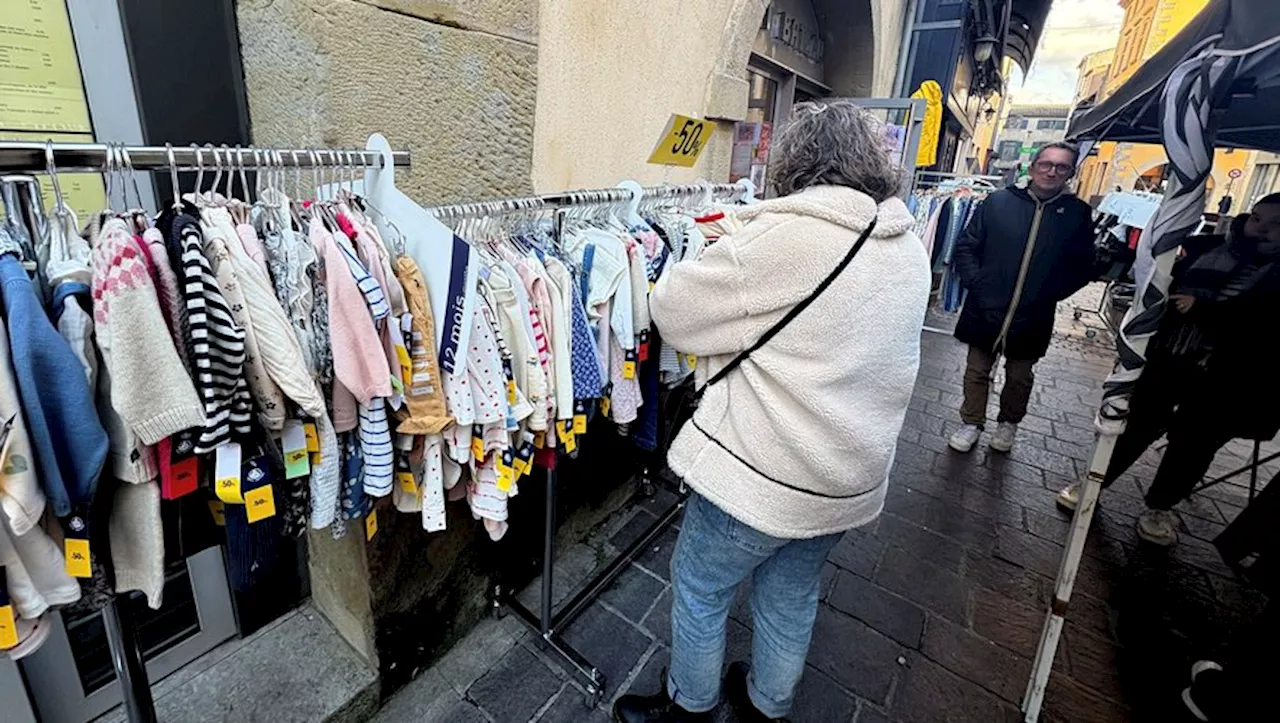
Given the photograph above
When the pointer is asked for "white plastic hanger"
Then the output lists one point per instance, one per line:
(448, 264)
(631, 208)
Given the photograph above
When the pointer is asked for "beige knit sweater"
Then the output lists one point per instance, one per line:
(798, 441)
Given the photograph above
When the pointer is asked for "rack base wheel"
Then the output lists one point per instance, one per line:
(591, 698)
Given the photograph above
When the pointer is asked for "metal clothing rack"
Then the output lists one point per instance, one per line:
(32, 157)
(547, 622)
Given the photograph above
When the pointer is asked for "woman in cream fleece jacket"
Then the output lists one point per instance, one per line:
(793, 447)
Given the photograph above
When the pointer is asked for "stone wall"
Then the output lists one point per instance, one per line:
(455, 81)
(610, 74)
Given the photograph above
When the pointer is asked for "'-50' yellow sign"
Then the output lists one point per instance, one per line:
(681, 141)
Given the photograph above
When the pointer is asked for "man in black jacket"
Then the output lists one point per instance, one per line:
(1024, 251)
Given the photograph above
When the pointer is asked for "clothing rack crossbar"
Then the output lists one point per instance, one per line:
(26, 156)
(570, 199)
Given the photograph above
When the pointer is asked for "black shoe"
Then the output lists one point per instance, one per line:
(735, 691)
(654, 709)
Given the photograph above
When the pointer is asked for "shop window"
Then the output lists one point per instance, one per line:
(1051, 125)
(763, 97)
(1009, 150)
(1015, 123)
(940, 10)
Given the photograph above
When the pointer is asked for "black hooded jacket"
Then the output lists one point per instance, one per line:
(1023, 253)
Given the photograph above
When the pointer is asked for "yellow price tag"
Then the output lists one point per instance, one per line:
(260, 503)
(504, 478)
(605, 406)
(579, 424)
(477, 448)
(540, 440)
(569, 441)
(370, 525)
(219, 512)
(628, 370)
(407, 483)
(682, 141)
(511, 392)
(313, 439)
(315, 458)
(8, 628)
(77, 553)
(692, 360)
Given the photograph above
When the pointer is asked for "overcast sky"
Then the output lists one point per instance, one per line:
(1075, 29)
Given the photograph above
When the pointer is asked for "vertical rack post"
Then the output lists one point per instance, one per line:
(126, 659)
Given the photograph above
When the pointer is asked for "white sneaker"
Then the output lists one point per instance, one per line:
(1159, 527)
(1069, 497)
(1002, 440)
(964, 438)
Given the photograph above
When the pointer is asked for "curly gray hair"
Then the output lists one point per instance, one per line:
(835, 143)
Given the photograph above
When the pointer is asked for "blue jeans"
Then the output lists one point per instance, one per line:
(714, 553)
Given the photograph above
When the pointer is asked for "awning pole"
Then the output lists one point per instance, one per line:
(1067, 570)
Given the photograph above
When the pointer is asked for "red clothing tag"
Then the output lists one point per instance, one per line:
(177, 477)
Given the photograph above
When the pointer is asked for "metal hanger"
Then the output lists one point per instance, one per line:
(173, 178)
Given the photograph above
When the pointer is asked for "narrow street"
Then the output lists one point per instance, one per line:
(934, 612)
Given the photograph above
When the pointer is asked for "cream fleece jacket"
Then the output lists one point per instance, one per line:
(798, 441)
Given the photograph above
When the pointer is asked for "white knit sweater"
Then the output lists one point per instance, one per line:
(798, 441)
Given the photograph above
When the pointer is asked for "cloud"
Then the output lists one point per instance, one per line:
(1074, 29)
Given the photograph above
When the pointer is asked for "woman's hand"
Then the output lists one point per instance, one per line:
(1183, 302)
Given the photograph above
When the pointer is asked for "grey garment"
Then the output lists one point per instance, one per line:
(290, 260)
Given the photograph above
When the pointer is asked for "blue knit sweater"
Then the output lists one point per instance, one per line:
(67, 437)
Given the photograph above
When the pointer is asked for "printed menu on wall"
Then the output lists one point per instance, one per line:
(40, 86)
(42, 95)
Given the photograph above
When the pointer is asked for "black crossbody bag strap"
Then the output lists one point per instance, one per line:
(794, 312)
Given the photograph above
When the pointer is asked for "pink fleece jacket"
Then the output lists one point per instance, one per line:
(358, 361)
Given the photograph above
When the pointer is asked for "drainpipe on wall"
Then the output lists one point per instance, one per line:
(904, 51)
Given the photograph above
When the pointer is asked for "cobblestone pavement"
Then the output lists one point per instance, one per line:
(933, 612)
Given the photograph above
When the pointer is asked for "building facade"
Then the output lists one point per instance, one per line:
(1094, 69)
(1147, 26)
(1027, 129)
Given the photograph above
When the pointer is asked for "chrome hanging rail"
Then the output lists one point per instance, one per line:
(598, 196)
(26, 156)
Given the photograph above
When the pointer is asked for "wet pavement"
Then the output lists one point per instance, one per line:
(933, 612)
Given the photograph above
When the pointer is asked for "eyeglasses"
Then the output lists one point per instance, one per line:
(1061, 168)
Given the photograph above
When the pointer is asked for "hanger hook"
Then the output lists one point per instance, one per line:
(231, 170)
(173, 176)
(133, 173)
(297, 174)
(244, 180)
(315, 171)
(217, 177)
(199, 167)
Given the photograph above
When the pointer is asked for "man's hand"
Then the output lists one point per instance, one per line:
(1183, 302)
